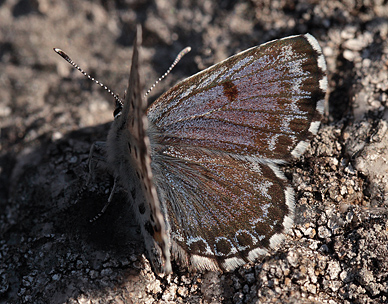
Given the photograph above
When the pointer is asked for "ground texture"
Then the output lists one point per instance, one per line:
(50, 115)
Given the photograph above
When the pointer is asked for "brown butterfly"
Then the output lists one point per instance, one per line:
(206, 154)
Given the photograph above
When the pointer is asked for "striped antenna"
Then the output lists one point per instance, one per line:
(119, 103)
(177, 59)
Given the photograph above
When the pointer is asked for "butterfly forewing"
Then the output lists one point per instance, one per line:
(217, 138)
(259, 102)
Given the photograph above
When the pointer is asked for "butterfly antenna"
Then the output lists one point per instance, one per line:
(177, 59)
(69, 60)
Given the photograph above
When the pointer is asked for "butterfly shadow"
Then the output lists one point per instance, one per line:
(53, 208)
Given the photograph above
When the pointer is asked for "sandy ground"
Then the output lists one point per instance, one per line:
(50, 115)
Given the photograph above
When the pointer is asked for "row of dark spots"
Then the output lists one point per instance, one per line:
(141, 178)
(130, 149)
(152, 228)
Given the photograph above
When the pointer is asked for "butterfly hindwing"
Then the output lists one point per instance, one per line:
(223, 210)
(261, 102)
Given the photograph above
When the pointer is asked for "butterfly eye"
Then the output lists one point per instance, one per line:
(117, 111)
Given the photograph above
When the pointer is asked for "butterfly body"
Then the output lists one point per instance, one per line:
(206, 154)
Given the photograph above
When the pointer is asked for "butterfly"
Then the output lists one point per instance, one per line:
(206, 154)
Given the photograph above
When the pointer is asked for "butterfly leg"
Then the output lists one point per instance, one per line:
(96, 156)
(106, 204)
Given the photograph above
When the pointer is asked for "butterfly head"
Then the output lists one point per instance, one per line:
(118, 109)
